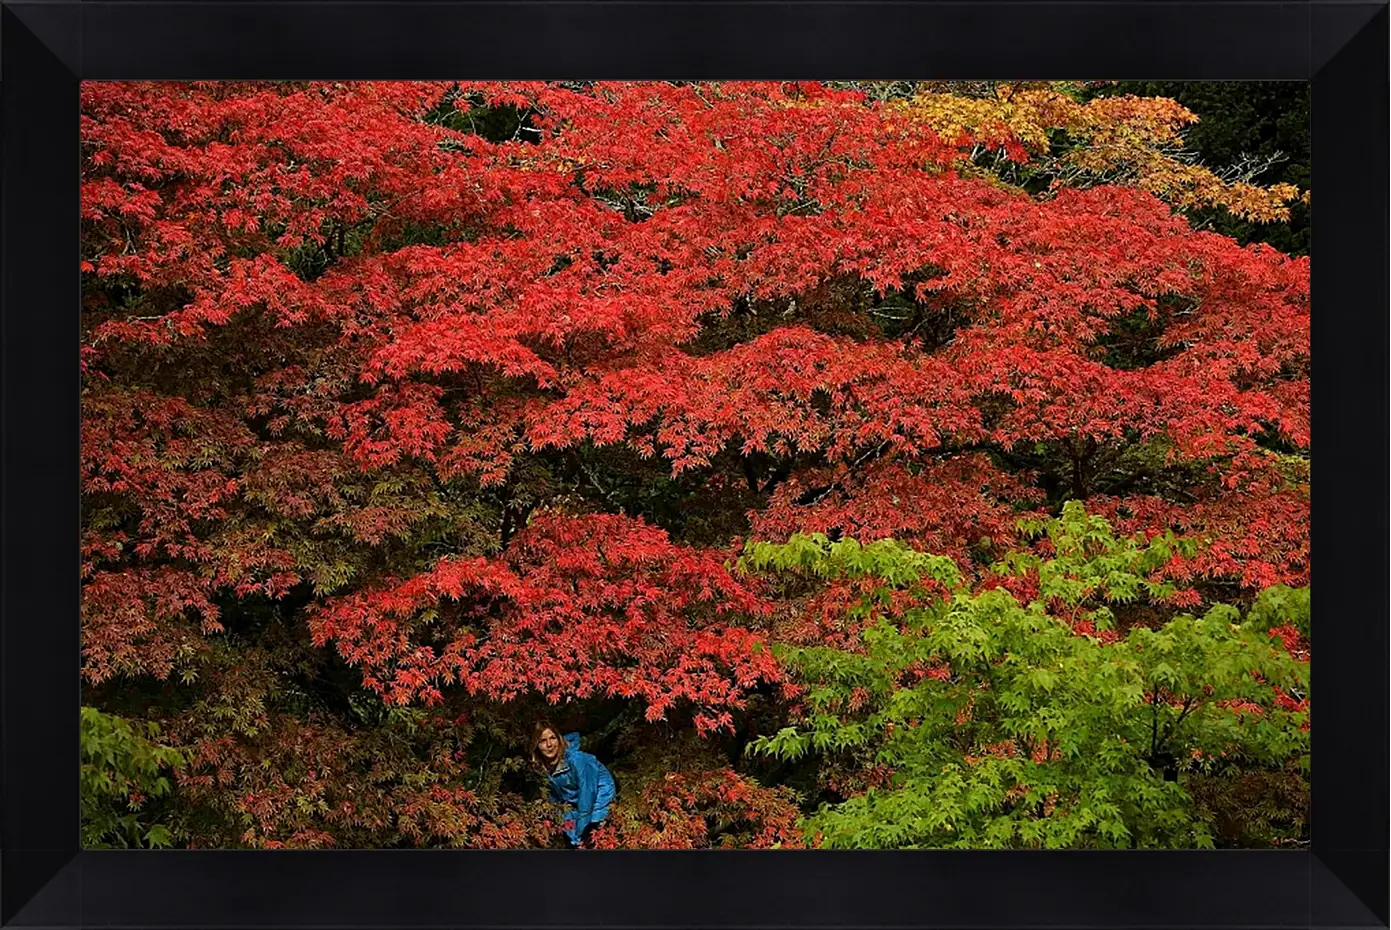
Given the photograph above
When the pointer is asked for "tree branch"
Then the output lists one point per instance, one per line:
(1172, 729)
(1128, 482)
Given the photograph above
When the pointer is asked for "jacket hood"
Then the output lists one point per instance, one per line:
(572, 740)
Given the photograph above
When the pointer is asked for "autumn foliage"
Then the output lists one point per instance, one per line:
(412, 411)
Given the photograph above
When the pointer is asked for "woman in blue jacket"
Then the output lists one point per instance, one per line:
(578, 781)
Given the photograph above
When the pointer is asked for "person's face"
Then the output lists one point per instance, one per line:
(549, 746)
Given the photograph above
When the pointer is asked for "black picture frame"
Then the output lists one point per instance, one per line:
(48, 46)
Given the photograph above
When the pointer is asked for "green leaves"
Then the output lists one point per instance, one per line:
(1025, 733)
(1278, 606)
(123, 771)
(392, 388)
(1089, 562)
(893, 563)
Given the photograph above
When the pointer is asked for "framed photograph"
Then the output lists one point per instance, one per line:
(671, 464)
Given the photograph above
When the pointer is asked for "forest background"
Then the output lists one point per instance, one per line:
(870, 465)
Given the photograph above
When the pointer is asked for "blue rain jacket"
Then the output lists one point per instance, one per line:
(583, 786)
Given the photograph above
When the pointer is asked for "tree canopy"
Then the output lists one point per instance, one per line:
(858, 464)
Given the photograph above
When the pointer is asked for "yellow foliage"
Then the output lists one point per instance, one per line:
(1125, 140)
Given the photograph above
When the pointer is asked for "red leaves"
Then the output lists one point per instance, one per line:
(564, 315)
(950, 506)
(791, 391)
(328, 338)
(595, 256)
(579, 285)
(599, 605)
(1254, 530)
(292, 784)
(133, 621)
(398, 421)
(710, 809)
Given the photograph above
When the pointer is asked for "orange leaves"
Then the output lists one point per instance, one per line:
(1126, 140)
